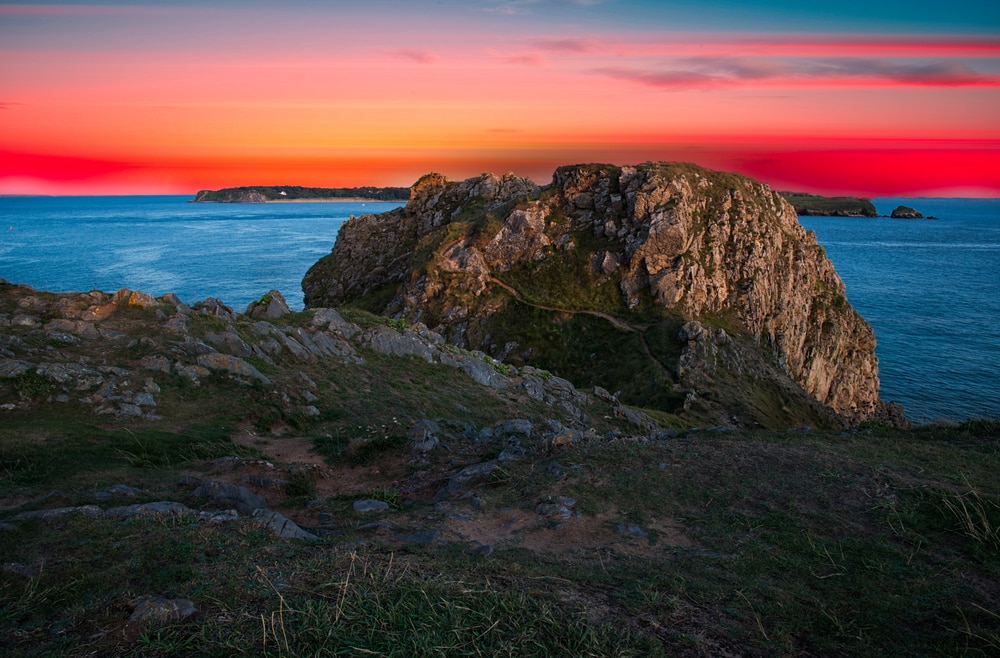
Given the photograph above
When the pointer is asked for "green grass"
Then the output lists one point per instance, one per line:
(759, 543)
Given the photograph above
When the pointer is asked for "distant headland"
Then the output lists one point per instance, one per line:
(814, 205)
(269, 193)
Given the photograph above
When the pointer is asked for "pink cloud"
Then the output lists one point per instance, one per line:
(419, 56)
(731, 71)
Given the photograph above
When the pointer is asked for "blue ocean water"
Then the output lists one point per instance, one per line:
(161, 244)
(931, 289)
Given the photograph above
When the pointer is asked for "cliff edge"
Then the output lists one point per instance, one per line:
(694, 292)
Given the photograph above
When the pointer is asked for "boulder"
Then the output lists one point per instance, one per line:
(230, 495)
(233, 365)
(269, 307)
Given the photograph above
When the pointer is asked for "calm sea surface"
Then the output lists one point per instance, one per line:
(161, 244)
(931, 289)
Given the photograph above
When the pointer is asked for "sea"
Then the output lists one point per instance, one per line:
(930, 288)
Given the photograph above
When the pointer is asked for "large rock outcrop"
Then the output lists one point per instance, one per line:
(621, 256)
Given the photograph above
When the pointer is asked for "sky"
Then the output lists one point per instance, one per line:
(869, 98)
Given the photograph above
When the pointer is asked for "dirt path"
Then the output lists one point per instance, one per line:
(618, 323)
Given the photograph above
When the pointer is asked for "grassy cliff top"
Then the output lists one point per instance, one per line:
(134, 443)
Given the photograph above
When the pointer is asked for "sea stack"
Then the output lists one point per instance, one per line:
(692, 291)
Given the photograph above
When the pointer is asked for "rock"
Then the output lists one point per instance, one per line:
(905, 212)
(228, 342)
(426, 536)
(263, 482)
(334, 322)
(459, 480)
(150, 609)
(281, 526)
(89, 511)
(386, 340)
(230, 496)
(160, 508)
(370, 505)
(518, 426)
(271, 306)
(216, 307)
(126, 297)
(175, 301)
(629, 530)
(674, 238)
(423, 435)
(553, 511)
(12, 367)
(233, 365)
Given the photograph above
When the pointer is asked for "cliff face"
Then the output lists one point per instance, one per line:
(608, 260)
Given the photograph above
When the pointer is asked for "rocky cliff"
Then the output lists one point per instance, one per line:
(693, 291)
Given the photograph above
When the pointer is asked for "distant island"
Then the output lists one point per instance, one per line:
(838, 206)
(268, 193)
(906, 212)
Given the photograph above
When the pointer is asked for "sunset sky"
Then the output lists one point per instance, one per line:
(873, 98)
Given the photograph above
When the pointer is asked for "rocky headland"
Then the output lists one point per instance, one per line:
(814, 205)
(689, 291)
(272, 193)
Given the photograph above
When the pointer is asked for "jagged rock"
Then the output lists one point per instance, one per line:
(281, 526)
(179, 324)
(126, 297)
(14, 367)
(76, 327)
(79, 377)
(228, 342)
(672, 237)
(271, 306)
(334, 322)
(459, 480)
(230, 496)
(175, 301)
(386, 340)
(216, 307)
(233, 365)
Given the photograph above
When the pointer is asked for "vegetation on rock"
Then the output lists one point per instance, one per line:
(905, 212)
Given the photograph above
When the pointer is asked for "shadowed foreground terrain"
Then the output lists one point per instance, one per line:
(192, 481)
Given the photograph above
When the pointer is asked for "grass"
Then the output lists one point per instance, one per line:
(759, 543)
